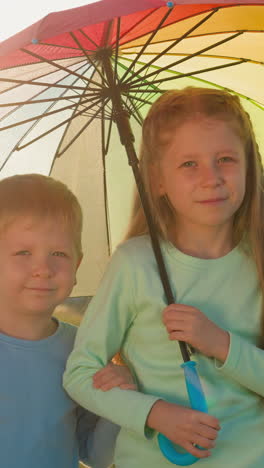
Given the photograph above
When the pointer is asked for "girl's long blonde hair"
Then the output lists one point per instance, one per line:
(171, 110)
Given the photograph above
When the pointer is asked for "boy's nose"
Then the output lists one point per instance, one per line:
(42, 268)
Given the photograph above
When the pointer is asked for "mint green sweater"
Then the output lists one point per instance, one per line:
(126, 314)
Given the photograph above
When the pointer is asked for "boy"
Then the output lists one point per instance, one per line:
(40, 251)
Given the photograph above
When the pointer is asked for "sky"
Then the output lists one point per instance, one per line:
(17, 15)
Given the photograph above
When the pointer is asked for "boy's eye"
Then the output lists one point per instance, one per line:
(58, 253)
(22, 252)
(189, 164)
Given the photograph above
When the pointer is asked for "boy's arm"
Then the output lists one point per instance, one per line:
(97, 438)
(114, 375)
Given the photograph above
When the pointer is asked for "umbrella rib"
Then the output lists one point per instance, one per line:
(40, 101)
(144, 91)
(64, 91)
(159, 90)
(181, 54)
(81, 130)
(178, 40)
(107, 33)
(57, 126)
(154, 32)
(46, 114)
(109, 134)
(88, 58)
(103, 132)
(66, 129)
(60, 67)
(141, 92)
(196, 72)
(117, 49)
(49, 73)
(38, 94)
(136, 113)
(31, 127)
(108, 114)
(195, 54)
(136, 24)
(89, 39)
(61, 46)
(24, 136)
(104, 179)
(148, 91)
(41, 83)
(155, 89)
(141, 100)
(16, 145)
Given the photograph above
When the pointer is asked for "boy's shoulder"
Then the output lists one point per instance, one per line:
(65, 335)
(67, 328)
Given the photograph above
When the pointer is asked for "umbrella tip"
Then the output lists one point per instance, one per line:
(34, 41)
(170, 4)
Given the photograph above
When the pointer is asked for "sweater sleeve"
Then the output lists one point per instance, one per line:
(100, 336)
(245, 364)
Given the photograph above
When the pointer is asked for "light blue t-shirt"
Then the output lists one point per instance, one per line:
(40, 426)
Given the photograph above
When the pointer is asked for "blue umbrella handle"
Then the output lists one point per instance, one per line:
(198, 402)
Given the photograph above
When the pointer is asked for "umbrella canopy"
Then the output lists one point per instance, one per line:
(65, 79)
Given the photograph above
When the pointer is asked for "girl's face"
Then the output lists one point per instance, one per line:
(203, 173)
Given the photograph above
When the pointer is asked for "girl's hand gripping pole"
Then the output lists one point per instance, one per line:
(198, 402)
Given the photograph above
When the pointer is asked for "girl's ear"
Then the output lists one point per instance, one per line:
(156, 181)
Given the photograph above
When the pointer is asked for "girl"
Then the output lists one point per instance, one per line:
(203, 174)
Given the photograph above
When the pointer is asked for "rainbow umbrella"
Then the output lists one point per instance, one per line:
(56, 94)
(77, 82)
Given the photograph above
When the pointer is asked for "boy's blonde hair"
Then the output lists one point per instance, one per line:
(41, 197)
(171, 110)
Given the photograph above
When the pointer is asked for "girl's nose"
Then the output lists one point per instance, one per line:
(211, 176)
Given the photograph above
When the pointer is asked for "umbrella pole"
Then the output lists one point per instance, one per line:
(121, 118)
(154, 238)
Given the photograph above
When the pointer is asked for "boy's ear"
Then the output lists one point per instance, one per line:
(79, 261)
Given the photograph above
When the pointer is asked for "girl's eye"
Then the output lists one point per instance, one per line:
(189, 164)
(59, 254)
(23, 252)
(225, 159)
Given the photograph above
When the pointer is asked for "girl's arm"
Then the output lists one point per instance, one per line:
(100, 336)
(234, 356)
(94, 432)
(244, 363)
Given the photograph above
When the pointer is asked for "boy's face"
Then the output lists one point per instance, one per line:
(38, 265)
